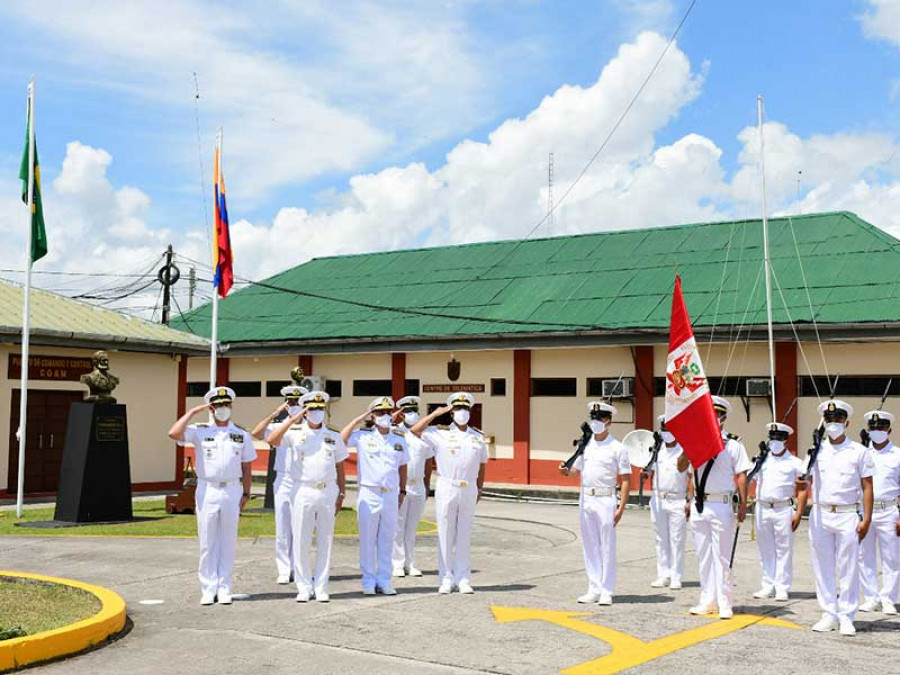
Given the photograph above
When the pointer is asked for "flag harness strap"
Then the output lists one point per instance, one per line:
(700, 492)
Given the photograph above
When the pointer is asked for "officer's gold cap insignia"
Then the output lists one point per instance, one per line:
(222, 392)
(832, 407)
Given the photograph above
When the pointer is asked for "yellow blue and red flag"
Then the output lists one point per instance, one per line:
(223, 277)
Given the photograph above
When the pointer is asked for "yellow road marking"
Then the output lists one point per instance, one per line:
(627, 650)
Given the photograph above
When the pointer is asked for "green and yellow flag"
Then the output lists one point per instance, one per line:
(38, 233)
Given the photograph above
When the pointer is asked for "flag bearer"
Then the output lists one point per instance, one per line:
(418, 480)
(882, 534)
(460, 455)
(316, 465)
(841, 491)
(712, 516)
(224, 453)
(603, 462)
(670, 508)
(283, 488)
(774, 514)
(381, 459)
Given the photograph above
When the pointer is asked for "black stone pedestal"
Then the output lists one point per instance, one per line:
(269, 502)
(95, 478)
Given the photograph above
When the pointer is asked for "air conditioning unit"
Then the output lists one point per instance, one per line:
(758, 387)
(618, 388)
(313, 383)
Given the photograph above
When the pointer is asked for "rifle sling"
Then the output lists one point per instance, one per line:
(700, 485)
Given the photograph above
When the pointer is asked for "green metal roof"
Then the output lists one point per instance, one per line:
(58, 320)
(605, 281)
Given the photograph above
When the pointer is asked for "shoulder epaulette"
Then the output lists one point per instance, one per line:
(443, 427)
(241, 428)
(477, 430)
(733, 437)
(331, 428)
(296, 426)
(201, 425)
(399, 431)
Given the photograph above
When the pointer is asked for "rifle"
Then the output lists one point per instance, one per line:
(586, 433)
(654, 455)
(864, 433)
(764, 448)
(818, 435)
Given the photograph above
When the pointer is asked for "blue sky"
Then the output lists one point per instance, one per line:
(313, 101)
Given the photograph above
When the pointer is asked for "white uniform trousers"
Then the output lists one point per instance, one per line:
(883, 534)
(407, 522)
(775, 539)
(313, 514)
(598, 541)
(713, 532)
(283, 490)
(218, 510)
(670, 527)
(835, 561)
(455, 508)
(377, 516)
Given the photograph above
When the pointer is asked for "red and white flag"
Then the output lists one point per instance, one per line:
(689, 409)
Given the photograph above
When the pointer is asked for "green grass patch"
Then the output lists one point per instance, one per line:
(37, 606)
(163, 524)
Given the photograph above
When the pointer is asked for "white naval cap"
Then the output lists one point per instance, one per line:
(382, 403)
(721, 405)
(833, 405)
(409, 402)
(293, 391)
(601, 406)
(778, 426)
(878, 415)
(314, 400)
(219, 395)
(461, 398)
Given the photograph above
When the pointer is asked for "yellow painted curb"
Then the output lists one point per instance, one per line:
(75, 637)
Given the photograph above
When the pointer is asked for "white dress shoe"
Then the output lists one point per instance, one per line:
(398, 572)
(782, 596)
(701, 610)
(385, 590)
(888, 607)
(726, 613)
(224, 598)
(303, 596)
(825, 624)
(446, 588)
(207, 599)
(465, 588)
(605, 599)
(659, 582)
(870, 606)
(588, 598)
(284, 579)
(764, 592)
(847, 627)
(414, 572)
(322, 597)
(675, 585)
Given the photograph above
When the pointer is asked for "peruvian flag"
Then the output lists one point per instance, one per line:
(689, 408)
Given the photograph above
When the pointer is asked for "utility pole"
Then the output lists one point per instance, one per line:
(550, 196)
(168, 276)
(192, 287)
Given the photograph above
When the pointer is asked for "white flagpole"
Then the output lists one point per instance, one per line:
(26, 311)
(765, 220)
(214, 348)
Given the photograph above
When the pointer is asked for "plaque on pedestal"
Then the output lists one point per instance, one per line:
(95, 478)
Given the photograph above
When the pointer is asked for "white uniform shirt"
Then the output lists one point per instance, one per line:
(775, 480)
(602, 462)
(219, 451)
(315, 454)
(838, 472)
(666, 476)
(282, 454)
(458, 454)
(732, 460)
(379, 457)
(886, 479)
(420, 451)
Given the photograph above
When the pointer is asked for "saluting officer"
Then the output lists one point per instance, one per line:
(418, 480)
(604, 461)
(460, 455)
(841, 478)
(882, 534)
(316, 466)
(283, 488)
(224, 453)
(381, 459)
(670, 508)
(712, 517)
(774, 515)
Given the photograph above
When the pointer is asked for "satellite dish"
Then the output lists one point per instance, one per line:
(639, 443)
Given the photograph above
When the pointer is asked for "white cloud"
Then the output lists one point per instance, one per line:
(882, 20)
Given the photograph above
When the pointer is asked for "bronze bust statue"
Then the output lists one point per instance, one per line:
(297, 375)
(100, 382)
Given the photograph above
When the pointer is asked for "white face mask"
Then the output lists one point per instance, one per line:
(597, 426)
(668, 437)
(776, 446)
(222, 414)
(294, 410)
(834, 429)
(316, 416)
(411, 418)
(383, 421)
(461, 417)
(878, 436)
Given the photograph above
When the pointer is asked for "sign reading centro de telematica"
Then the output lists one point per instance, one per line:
(59, 368)
(452, 388)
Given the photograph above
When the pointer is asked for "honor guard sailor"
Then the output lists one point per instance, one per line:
(381, 457)
(712, 516)
(460, 455)
(418, 480)
(603, 461)
(841, 491)
(283, 488)
(316, 467)
(882, 535)
(223, 455)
